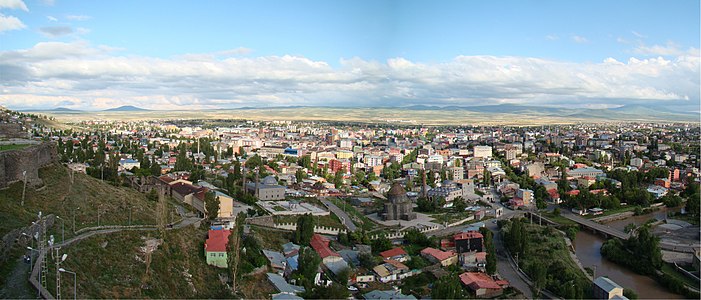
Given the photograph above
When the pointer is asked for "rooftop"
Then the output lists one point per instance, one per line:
(217, 240)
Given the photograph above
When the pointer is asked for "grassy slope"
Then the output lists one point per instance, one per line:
(59, 197)
(118, 270)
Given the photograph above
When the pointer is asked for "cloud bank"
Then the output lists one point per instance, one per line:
(84, 76)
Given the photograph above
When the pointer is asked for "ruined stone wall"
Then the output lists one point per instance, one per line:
(12, 130)
(30, 159)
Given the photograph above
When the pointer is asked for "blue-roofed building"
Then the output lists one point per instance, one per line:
(291, 265)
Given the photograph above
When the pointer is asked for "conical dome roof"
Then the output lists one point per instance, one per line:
(396, 190)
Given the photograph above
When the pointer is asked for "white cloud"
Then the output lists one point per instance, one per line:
(56, 31)
(552, 37)
(98, 77)
(579, 39)
(8, 23)
(13, 4)
(670, 49)
(51, 18)
(78, 17)
(639, 35)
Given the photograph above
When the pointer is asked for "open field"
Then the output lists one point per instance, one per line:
(397, 116)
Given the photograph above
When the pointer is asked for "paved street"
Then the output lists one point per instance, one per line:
(347, 221)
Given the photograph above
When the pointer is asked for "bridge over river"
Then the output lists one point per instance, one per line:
(600, 228)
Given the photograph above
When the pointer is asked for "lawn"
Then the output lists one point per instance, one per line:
(13, 147)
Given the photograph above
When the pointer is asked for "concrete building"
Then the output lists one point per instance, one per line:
(468, 241)
(482, 151)
(586, 171)
(604, 288)
(525, 195)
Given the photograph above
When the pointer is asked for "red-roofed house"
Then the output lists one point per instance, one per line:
(396, 253)
(573, 193)
(321, 246)
(445, 258)
(215, 248)
(600, 191)
(482, 285)
(515, 202)
(554, 196)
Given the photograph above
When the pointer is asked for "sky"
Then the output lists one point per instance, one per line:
(175, 54)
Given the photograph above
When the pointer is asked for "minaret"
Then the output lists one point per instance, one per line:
(423, 186)
(257, 180)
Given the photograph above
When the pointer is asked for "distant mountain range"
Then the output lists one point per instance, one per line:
(633, 112)
(127, 108)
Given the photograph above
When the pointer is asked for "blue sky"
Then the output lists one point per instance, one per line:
(173, 54)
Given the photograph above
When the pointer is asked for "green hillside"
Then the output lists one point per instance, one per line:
(83, 197)
(114, 266)
(58, 196)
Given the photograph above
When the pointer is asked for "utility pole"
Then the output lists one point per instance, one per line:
(24, 189)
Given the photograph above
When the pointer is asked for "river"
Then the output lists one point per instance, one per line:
(588, 247)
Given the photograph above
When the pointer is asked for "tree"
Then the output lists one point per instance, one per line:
(491, 266)
(381, 244)
(448, 287)
(211, 203)
(367, 260)
(155, 168)
(539, 274)
(338, 179)
(692, 206)
(305, 229)
(459, 204)
(233, 249)
(300, 175)
(308, 264)
(415, 237)
(182, 162)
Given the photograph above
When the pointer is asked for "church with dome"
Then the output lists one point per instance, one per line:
(398, 205)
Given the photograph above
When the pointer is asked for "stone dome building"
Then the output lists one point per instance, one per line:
(398, 205)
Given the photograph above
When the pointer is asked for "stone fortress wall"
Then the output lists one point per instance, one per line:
(30, 159)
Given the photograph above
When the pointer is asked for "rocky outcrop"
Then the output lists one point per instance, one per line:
(14, 162)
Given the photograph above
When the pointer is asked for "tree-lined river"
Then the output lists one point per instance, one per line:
(588, 247)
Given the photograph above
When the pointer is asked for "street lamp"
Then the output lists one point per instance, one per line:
(75, 294)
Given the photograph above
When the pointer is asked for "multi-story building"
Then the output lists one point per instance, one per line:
(482, 151)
